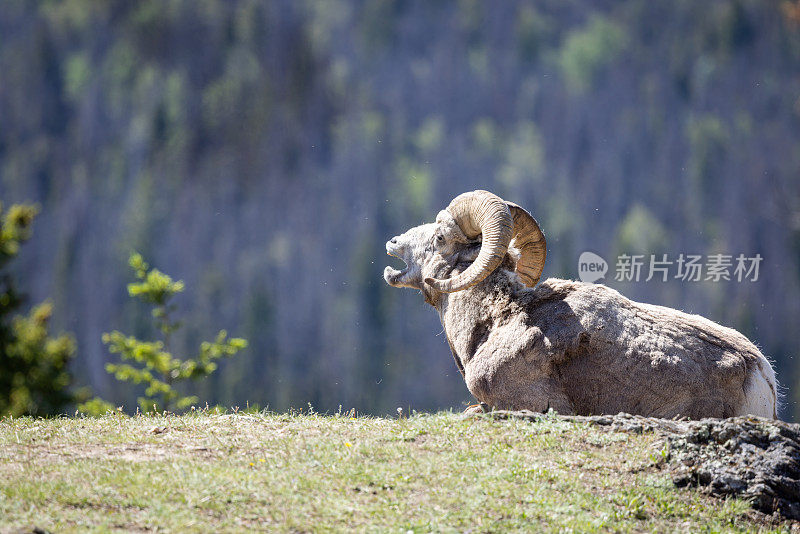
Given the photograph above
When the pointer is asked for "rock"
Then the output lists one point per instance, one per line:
(749, 457)
(757, 459)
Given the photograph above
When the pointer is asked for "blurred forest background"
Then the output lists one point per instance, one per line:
(264, 151)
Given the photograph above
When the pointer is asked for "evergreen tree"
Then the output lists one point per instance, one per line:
(34, 379)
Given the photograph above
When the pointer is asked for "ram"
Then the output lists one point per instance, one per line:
(571, 346)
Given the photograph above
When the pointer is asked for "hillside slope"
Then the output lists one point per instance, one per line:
(303, 472)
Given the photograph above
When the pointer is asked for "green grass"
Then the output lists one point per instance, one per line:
(307, 472)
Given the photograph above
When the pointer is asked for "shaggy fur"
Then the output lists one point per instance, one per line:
(581, 348)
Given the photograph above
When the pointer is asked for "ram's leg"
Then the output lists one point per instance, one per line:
(503, 389)
(537, 396)
(477, 408)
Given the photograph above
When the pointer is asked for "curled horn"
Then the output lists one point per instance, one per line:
(529, 240)
(479, 213)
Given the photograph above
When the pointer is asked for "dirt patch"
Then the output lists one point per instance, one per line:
(749, 457)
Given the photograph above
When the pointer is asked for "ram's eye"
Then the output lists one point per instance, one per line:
(439, 238)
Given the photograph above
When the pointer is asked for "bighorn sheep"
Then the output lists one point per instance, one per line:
(575, 347)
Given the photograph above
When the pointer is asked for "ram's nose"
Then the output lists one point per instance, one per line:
(392, 246)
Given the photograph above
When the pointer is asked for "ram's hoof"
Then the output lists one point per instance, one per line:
(474, 409)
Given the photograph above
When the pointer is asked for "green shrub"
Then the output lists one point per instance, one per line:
(152, 363)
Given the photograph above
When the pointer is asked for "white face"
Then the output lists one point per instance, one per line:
(429, 250)
(413, 247)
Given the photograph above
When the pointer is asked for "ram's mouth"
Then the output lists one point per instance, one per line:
(390, 274)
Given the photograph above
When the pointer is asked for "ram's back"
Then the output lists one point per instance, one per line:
(614, 354)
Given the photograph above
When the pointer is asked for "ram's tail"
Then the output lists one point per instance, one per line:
(761, 391)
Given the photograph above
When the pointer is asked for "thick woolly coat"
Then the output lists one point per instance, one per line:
(586, 349)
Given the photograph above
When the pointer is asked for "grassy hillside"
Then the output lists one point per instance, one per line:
(304, 472)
